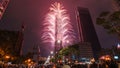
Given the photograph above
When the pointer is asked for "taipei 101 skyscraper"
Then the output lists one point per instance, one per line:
(3, 6)
(58, 30)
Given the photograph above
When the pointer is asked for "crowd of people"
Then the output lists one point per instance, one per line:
(103, 64)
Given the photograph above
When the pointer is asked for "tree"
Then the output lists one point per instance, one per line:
(1, 54)
(110, 21)
(70, 51)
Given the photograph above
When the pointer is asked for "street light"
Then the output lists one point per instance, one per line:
(51, 52)
(29, 60)
(7, 56)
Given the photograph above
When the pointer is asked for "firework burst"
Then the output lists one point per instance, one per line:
(57, 26)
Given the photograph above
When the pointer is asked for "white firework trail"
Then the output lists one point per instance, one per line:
(57, 26)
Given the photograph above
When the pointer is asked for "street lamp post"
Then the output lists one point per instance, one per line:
(7, 57)
(51, 52)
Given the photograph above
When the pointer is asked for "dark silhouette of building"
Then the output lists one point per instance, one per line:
(11, 41)
(85, 51)
(3, 6)
(36, 53)
(86, 30)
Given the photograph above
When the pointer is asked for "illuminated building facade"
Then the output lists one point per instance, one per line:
(3, 6)
(85, 50)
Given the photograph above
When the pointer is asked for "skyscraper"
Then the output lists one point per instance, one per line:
(12, 41)
(116, 5)
(3, 6)
(86, 30)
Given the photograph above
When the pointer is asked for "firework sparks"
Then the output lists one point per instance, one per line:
(57, 26)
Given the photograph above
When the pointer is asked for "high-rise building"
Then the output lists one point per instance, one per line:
(36, 53)
(11, 41)
(87, 31)
(3, 6)
(85, 50)
(116, 5)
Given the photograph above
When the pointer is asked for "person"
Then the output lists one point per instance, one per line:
(113, 64)
(102, 65)
(66, 66)
(94, 65)
(0, 66)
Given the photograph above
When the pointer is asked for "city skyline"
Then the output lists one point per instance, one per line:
(31, 13)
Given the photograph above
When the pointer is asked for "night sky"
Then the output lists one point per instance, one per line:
(32, 14)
